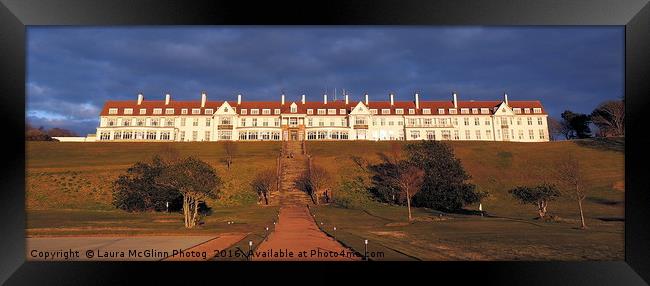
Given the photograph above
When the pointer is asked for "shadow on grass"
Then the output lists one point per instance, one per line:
(604, 201)
(608, 144)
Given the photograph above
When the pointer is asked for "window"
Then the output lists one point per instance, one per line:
(293, 121)
(519, 121)
(411, 111)
(128, 110)
(431, 135)
(320, 122)
(466, 121)
(311, 135)
(310, 111)
(467, 134)
(169, 111)
(105, 135)
(294, 109)
(517, 110)
(126, 122)
(195, 122)
(206, 137)
(385, 111)
(183, 119)
(453, 111)
(243, 122)
(209, 111)
(487, 121)
(530, 121)
(474, 110)
(541, 134)
(477, 121)
(140, 122)
(531, 134)
(321, 111)
(154, 122)
(275, 136)
(488, 134)
(464, 111)
(399, 111)
(446, 135)
(143, 111)
(537, 110)
(521, 134)
(225, 120)
(276, 111)
(254, 123)
(117, 135)
(266, 111)
(344, 135)
(164, 135)
(157, 111)
(207, 122)
(383, 121)
(342, 111)
(265, 122)
(427, 121)
(391, 123)
(331, 111)
(184, 111)
(195, 111)
(276, 122)
(415, 134)
(322, 135)
(400, 122)
(151, 135)
(456, 137)
(539, 121)
(373, 111)
(455, 121)
(244, 111)
(182, 135)
(478, 134)
(170, 122)
(526, 110)
(112, 111)
(195, 135)
(485, 111)
(139, 135)
(255, 111)
(344, 122)
(428, 111)
(310, 122)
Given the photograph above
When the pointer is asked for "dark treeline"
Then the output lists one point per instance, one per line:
(41, 134)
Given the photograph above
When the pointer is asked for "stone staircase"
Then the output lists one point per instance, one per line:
(291, 170)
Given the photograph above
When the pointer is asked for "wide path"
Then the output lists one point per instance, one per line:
(297, 235)
(128, 248)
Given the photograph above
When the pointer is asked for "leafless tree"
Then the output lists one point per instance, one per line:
(609, 116)
(264, 183)
(318, 180)
(571, 178)
(409, 179)
(229, 150)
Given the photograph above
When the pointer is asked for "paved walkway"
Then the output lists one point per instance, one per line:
(297, 235)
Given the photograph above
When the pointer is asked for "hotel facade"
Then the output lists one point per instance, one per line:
(203, 120)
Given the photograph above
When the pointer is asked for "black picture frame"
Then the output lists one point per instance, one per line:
(15, 15)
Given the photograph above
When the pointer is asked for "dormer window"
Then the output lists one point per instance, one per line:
(385, 111)
(143, 111)
(157, 111)
(517, 110)
(310, 111)
(526, 110)
(294, 109)
(194, 111)
(321, 111)
(341, 111)
(399, 111)
(474, 110)
(255, 111)
(128, 110)
(184, 111)
(373, 111)
(276, 111)
(266, 111)
(464, 111)
(411, 111)
(428, 111)
(112, 111)
(537, 110)
(209, 111)
(331, 111)
(453, 111)
(244, 111)
(485, 111)
(169, 111)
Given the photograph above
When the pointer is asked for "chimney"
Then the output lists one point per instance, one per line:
(346, 99)
(303, 99)
(203, 98)
(239, 99)
(283, 99)
(140, 98)
(366, 98)
(325, 98)
(455, 100)
(417, 101)
(167, 98)
(505, 98)
(392, 101)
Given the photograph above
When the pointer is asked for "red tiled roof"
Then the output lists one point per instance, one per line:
(315, 105)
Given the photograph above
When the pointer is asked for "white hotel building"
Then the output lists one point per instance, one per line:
(203, 120)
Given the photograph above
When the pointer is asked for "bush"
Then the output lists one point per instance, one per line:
(137, 190)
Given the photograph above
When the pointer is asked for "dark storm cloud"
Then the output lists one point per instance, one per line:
(72, 71)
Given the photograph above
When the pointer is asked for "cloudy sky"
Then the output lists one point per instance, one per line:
(72, 71)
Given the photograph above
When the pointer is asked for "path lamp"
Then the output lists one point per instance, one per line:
(366, 250)
(266, 236)
(167, 206)
(334, 233)
(250, 250)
